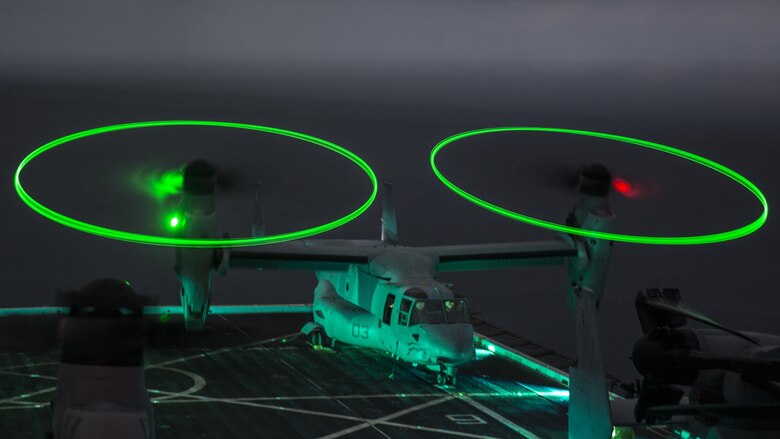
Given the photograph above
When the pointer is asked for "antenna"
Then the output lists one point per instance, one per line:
(389, 227)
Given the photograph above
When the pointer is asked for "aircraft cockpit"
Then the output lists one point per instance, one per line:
(432, 311)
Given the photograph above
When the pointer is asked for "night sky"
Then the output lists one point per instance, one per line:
(388, 80)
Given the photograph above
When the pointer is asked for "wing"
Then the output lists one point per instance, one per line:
(500, 255)
(340, 254)
(306, 255)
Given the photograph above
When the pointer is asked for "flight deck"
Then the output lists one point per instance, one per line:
(257, 376)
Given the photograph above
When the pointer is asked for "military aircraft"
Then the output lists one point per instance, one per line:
(379, 293)
(732, 378)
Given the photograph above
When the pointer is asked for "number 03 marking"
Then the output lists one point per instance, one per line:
(359, 331)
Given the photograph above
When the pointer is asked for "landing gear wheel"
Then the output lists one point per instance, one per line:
(443, 379)
(446, 376)
(327, 341)
(316, 339)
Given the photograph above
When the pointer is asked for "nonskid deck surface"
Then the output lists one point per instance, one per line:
(255, 376)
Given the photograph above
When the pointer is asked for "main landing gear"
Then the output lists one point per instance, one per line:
(317, 336)
(319, 339)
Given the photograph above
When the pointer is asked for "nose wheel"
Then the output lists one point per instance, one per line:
(446, 376)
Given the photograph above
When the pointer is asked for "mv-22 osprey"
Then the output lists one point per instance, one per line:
(380, 294)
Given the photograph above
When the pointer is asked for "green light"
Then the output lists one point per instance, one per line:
(623, 433)
(685, 434)
(192, 242)
(639, 239)
(168, 183)
(174, 222)
(34, 311)
(522, 359)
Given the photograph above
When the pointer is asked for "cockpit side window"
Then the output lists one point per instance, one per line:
(456, 311)
(427, 311)
(388, 314)
(403, 312)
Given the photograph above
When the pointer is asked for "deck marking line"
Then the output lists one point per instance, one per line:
(28, 375)
(341, 403)
(27, 395)
(223, 350)
(17, 366)
(511, 425)
(23, 407)
(331, 397)
(198, 383)
(376, 396)
(436, 430)
(200, 398)
(397, 414)
(233, 324)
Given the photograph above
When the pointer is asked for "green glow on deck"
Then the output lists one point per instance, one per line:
(623, 433)
(165, 311)
(528, 362)
(685, 434)
(138, 238)
(638, 239)
(34, 311)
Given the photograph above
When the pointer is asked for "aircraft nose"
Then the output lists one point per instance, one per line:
(453, 343)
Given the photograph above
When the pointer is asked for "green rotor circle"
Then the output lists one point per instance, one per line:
(639, 239)
(192, 242)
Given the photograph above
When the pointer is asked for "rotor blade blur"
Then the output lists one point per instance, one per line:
(695, 315)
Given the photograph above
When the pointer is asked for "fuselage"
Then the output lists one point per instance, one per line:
(395, 304)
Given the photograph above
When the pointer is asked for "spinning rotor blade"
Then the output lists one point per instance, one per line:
(658, 308)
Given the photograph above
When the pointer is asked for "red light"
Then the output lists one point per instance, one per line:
(622, 187)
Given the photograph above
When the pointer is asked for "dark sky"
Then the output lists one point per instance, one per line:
(388, 80)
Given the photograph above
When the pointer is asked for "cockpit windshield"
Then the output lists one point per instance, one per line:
(427, 311)
(433, 311)
(456, 311)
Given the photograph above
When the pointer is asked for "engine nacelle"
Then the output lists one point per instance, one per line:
(589, 270)
(196, 219)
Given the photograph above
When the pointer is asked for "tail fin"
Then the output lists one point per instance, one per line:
(258, 226)
(389, 228)
(589, 410)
